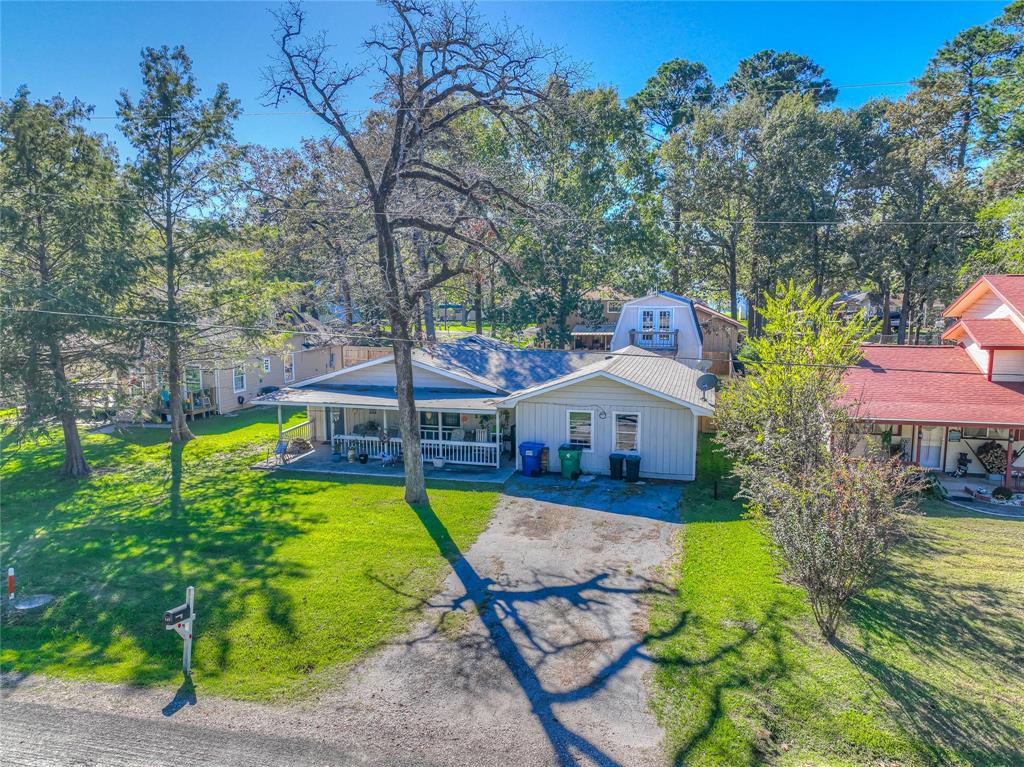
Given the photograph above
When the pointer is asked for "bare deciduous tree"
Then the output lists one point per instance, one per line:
(439, 66)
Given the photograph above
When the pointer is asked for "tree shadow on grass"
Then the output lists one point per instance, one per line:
(120, 548)
(500, 610)
(968, 630)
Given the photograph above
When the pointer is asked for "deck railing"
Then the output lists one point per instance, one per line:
(654, 339)
(299, 431)
(469, 453)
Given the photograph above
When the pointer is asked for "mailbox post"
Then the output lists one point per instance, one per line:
(180, 619)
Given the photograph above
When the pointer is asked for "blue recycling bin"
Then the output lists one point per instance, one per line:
(530, 453)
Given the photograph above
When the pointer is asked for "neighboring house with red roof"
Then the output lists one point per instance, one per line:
(936, 402)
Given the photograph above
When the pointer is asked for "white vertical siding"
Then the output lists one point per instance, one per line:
(683, 320)
(988, 307)
(667, 431)
(1008, 365)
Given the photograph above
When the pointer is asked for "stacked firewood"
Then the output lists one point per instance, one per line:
(992, 456)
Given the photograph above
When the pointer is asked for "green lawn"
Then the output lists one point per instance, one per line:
(295, 576)
(929, 668)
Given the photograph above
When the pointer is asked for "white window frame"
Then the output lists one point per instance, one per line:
(198, 371)
(234, 378)
(331, 361)
(615, 427)
(568, 433)
(267, 364)
(289, 362)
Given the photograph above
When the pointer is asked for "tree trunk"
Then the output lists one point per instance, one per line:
(478, 305)
(179, 427)
(415, 483)
(426, 298)
(886, 321)
(901, 334)
(75, 464)
(734, 308)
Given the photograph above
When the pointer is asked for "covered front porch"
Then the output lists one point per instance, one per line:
(359, 425)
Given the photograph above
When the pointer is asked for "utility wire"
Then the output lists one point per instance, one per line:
(579, 219)
(423, 342)
(797, 88)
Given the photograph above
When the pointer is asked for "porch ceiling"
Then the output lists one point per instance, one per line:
(381, 398)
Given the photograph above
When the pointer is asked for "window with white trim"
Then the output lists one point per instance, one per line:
(193, 379)
(289, 367)
(580, 428)
(330, 359)
(238, 378)
(627, 431)
(266, 364)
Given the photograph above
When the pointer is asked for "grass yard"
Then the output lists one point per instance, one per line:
(929, 668)
(295, 576)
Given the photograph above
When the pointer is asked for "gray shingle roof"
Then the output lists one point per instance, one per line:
(502, 365)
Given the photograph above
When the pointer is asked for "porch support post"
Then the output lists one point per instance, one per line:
(280, 429)
(385, 421)
(329, 423)
(497, 439)
(1009, 458)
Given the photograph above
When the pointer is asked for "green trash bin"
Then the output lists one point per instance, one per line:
(569, 457)
(632, 467)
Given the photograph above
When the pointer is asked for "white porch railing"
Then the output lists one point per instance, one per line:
(372, 446)
(298, 431)
(469, 453)
(472, 453)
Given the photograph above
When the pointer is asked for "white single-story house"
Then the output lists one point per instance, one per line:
(479, 398)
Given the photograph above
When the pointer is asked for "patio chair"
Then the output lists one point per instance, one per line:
(281, 451)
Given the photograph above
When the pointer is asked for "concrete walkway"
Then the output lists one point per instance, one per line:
(532, 655)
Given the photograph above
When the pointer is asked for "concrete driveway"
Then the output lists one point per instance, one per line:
(532, 655)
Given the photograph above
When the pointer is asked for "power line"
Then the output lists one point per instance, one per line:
(427, 343)
(580, 219)
(801, 88)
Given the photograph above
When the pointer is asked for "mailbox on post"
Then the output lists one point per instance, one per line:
(177, 614)
(180, 619)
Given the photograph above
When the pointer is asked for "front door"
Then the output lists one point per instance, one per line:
(655, 325)
(931, 446)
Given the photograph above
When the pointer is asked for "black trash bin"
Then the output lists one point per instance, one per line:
(632, 467)
(615, 464)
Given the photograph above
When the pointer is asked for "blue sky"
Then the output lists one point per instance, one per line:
(91, 49)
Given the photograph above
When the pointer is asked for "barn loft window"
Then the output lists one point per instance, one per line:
(580, 430)
(627, 431)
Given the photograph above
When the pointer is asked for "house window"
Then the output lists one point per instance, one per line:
(627, 431)
(266, 364)
(161, 380)
(193, 379)
(580, 428)
(330, 359)
(615, 307)
(238, 378)
(986, 433)
(289, 368)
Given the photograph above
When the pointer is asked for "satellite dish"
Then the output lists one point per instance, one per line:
(706, 383)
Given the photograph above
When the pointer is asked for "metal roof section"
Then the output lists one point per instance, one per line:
(656, 374)
(380, 398)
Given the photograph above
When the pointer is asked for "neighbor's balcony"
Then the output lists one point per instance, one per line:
(656, 340)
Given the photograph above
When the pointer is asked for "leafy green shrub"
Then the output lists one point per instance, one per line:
(1002, 494)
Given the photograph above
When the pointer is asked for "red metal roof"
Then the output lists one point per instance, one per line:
(931, 384)
(988, 334)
